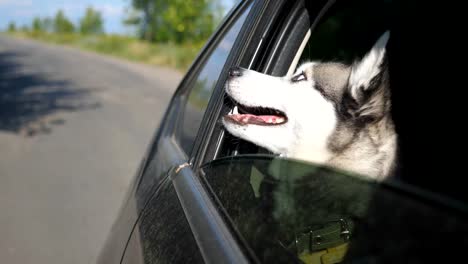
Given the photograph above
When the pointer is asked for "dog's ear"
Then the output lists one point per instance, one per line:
(366, 93)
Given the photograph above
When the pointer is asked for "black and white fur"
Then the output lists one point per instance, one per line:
(335, 114)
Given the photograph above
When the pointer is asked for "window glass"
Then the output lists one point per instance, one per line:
(288, 212)
(204, 84)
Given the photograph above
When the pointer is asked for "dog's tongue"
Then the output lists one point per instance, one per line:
(257, 120)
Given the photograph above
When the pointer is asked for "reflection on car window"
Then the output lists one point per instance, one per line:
(204, 85)
(293, 212)
(163, 235)
(348, 29)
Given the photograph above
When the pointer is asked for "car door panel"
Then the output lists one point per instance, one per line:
(163, 157)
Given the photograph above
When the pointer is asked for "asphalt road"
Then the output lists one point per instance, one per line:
(73, 129)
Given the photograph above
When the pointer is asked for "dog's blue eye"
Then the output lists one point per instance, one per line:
(299, 77)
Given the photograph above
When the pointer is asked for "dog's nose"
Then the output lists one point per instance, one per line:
(235, 72)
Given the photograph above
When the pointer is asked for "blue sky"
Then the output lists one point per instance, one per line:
(23, 11)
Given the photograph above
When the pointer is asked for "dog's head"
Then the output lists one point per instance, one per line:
(297, 115)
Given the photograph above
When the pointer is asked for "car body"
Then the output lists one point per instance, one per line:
(202, 196)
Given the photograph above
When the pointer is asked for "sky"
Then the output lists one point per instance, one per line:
(22, 12)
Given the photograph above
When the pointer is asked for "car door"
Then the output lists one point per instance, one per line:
(279, 215)
(176, 207)
(167, 194)
(191, 214)
(152, 225)
(177, 225)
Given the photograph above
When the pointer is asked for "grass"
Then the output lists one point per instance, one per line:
(177, 56)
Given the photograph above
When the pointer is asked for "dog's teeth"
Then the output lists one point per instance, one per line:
(235, 111)
(279, 120)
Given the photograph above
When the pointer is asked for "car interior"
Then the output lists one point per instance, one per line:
(339, 31)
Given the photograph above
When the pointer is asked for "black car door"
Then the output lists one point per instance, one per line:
(395, 223)
(179, 222)
(180, 218)
(168, 216)
(157, 224)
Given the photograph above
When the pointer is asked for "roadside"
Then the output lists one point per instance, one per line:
(177, 56)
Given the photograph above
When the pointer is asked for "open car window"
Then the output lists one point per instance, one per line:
(295, 212)
(342, 31)
(287, 211)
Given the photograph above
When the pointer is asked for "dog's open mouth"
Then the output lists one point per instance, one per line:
(245, 115)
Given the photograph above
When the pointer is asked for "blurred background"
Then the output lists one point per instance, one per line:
(124, 28)
(83, 87)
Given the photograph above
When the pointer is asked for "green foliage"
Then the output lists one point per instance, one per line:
(92, 22)
(62, 24)
(37, 25)
(12, 27)
(173, 31)
(178, 56)
(178, 21)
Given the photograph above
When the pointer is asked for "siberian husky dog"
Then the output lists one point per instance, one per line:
(327, 113)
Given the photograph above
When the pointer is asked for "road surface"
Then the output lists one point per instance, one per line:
(73, 129)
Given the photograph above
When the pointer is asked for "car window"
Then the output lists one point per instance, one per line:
(162, 235)
(203, 86)
(293, 212)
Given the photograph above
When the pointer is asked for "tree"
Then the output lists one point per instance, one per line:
(189, 20)
(146, 8)
(12, 27)
(37, 25)
(62, 24)
(47, 24)
(132, 19)
(92, 22)
(175, 20)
